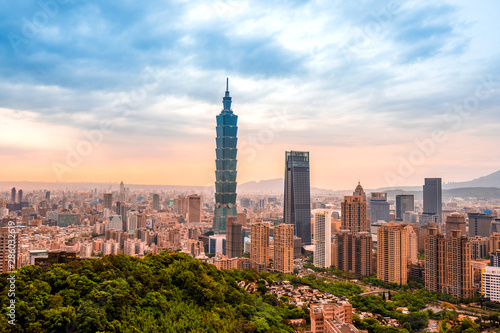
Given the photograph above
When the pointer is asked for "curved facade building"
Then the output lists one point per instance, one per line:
(225, 163)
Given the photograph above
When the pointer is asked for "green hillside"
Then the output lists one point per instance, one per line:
(169, 292)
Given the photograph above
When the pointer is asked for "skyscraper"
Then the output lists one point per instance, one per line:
(392, 255)
(283, 248)
(297, 201)
(234, 237)
(225, 163)
(121, 196)
(379, 207)
(404, 203)
(108, 200)
(156, 201)
(193, 203)
(9, 247)
(47, 195)
(13, 195)
(20, 198)
(354, 211)
(433, 201)
(322, 239)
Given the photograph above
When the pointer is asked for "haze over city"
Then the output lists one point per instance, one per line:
(356, 91)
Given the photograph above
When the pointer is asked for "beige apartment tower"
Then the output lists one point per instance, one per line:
(283, 248)
(354, 212)
(259, 244)
(459, 265)
(455, 221)
(392, 253)
(193, 205)
(322, 239)
(9, 250)
(435, 248)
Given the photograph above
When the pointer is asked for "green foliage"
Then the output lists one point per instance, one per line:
(169, 292)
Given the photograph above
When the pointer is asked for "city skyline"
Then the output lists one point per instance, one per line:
(374, 89)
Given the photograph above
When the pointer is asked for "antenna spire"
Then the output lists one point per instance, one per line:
(227, 84)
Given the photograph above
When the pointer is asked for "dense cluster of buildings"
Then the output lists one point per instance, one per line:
(446, 245)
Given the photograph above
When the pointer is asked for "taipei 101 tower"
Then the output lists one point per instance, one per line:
(225, 164)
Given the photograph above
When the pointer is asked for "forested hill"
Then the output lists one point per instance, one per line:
(168, 292)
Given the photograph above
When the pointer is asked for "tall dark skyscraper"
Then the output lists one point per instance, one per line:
(47, 195)
(297, 203)
(433, 201)
(13, 195)
(20, 198)
(225, 163)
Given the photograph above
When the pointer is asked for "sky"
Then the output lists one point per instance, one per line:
(382, 92)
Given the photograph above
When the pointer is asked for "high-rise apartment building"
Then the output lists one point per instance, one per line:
(297, 196)
(412, 244)
(352, 252)
(433, 201)
(225, 163)
(448, 263)
(404, 203)
(121, 195)
(259, 247)
(379, 207)
(392, 253)
(435, 253)
(353, 209)
(156, 201)
(455, 221)
(283, 248)
(459, 266)
(194, 205)
(108, 200)
(234, 237)
(480, 224)
(479, 247)
(9, 250)
(322, 239)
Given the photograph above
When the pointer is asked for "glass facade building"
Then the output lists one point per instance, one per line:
(225, 164)
(433, 202)
(297, 203)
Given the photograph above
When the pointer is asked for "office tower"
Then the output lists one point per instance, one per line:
(47, 196)
(156, 202)
(13, 195)
(283, 248)
(412, 244)
(322, 239)
(225, 174)
(180, 205)
(217, 244)
(234, 237)
(404, 203)
(479, 247)
(435, 261)
(131, 221)
(433, 202)
(108, 200)
(392, 253)
(352, 252)
(259, 248)
(490, 283)
(193, 204)
(455, 221)
(9, 250)
(20, 197)
(118, 208)
(354, 212)
(297, 196)
(379, 207)
(459, 266)
(121, 196)
(479, 224)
